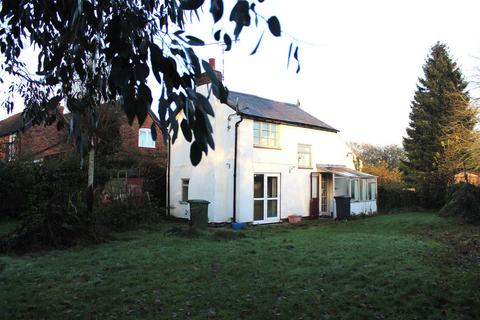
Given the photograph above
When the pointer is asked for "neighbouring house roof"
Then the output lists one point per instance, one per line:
(11, 124)
(266, 109)
(343, 171)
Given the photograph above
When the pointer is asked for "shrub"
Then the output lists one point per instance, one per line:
(395, 195)
(122, 215)
(15, 187)
(463, 201)
(49, 201)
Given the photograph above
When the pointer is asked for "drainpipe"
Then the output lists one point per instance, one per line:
(168, 175)
(235, 171)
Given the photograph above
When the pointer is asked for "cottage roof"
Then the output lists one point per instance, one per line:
(11, 124)
(266, 109)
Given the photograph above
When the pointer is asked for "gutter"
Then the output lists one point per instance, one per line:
(168, 175)
(235, 170)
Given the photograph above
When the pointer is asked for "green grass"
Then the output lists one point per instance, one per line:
(384, 267)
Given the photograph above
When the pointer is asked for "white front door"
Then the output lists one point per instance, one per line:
(266, 198)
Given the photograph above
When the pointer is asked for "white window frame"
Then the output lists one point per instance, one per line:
(308, 155)
(148, 133)
(185, 186)
(372, 191)
(12, 146)
(266, 134)
(354, 189)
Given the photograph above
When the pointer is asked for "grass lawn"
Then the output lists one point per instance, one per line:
(401, 266)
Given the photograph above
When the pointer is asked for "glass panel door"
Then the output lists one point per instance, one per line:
(258, 198)
(266, 197)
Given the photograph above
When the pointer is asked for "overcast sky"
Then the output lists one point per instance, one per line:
(360, 60)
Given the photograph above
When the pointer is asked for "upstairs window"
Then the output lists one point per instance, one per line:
(145, 138)
(304, 156)
(265, 134)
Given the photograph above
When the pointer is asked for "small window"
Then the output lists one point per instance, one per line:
(304, 156)
(185, 183)
(372, 191)
(265, 134)
(353, 190)
(145, 138)
(12, 147)
(361, 195)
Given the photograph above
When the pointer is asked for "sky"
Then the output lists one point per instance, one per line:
(360, 60)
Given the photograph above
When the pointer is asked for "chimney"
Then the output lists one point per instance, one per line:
(61, 108)
(211, 61)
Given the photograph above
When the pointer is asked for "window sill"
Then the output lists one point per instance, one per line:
(266, 147)
(146, 147)
(308, 168)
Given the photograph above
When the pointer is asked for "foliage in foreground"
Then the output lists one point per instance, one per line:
(399, 266)
(53, 213)
(463, 202)
(91, 52)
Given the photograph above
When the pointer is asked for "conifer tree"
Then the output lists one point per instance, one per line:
(440, 100)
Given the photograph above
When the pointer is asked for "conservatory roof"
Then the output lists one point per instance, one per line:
(343, 171)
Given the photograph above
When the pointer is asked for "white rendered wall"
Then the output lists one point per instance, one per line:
(327, 148)
(212, 179)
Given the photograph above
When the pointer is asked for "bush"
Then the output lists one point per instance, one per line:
(49, 200)
(395, 195)
(15, 188)
(463, 201)
(122, 215)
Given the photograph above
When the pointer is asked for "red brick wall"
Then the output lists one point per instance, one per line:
(3, 147)
(43, 141)
(40, 141)
(130, 141)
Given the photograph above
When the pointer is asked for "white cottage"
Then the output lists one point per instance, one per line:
(271, 160)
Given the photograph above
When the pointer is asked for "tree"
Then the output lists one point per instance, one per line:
(91, 52)
(96, 51)
(385, 175)
(440, 102)
(391, 155)
(459, 141)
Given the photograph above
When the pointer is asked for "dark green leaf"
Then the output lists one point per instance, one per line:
(193, 41)
(274, 26)
(295, 55)
(216, 9)
(228, 42)
(195, 154)
(241, 15)
(211, 74)
(217, 35)
(156, 56)
(289, 54)
(258, 44)
(191, 4)
(153, 131)
(187, 133)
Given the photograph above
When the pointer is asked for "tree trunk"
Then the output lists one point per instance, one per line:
(91, 172)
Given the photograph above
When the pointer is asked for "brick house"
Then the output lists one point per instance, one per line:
(21, 140)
